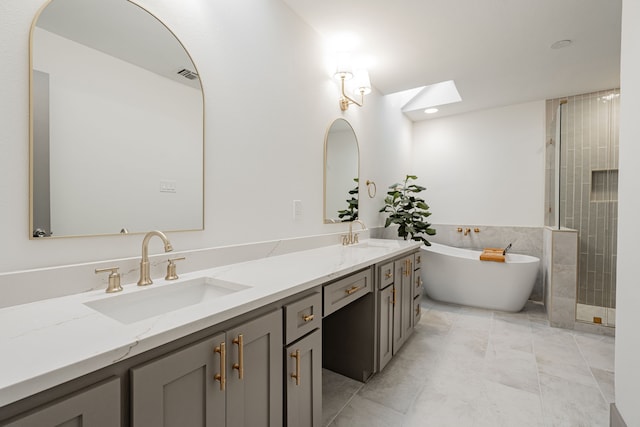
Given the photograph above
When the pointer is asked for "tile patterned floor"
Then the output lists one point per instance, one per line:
(471, 367)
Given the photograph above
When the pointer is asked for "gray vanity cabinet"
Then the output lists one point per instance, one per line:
(303, 379)
(254, 373)
(179, 389)
(230, 379)
(96, 406)
(385, 328)
(303, 361)
(395, 306)
(403, 308)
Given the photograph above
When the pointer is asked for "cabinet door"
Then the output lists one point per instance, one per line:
(303, 379)
(180, 389)
(385, 317)
(403, 309)
(417, 284)
(97, 406)
(254, 366)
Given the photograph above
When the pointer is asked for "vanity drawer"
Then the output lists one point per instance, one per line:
(417, 260)
(344, 291)
(385, 274)
(302, 317)
(417, 284)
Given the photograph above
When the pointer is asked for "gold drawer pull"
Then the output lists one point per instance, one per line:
(222, 376)
(407, 267)
(352, 290)
(393, 299)
(308, 317)
(296, 375)
(388, 274)
(240, 365)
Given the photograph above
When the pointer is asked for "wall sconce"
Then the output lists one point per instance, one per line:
(359, 82)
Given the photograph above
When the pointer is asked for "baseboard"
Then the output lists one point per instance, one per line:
(615, 419)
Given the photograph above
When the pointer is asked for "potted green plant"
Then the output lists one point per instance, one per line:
(408, 211)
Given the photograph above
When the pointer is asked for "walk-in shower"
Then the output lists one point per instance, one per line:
(582, 193)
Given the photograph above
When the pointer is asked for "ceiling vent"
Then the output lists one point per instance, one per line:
(188, 74)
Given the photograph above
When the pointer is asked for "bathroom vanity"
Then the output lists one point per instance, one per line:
(248, 356)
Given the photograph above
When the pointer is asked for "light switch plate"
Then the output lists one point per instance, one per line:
(297, 209)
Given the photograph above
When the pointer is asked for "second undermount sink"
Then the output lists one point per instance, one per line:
(146, 303)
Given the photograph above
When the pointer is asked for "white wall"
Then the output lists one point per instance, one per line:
(484, 167)
(268, 103)
(627, 372)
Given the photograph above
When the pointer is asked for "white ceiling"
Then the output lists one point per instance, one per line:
(497, 51)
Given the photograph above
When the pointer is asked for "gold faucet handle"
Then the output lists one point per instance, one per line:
(114, 279)
(171, 268)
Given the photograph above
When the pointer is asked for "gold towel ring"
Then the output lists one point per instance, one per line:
(375, 190)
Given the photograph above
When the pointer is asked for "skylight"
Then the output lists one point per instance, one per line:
(433, 95)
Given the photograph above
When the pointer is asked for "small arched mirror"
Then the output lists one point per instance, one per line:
(341, 173)
(117, 123)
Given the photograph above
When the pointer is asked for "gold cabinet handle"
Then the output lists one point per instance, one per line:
(240, 365)
(387, 275)
(308, 317)
(352, 290)
(393, 294)
(222, 376)
(296, 374)
(418, 259)
(417, 310)
(407, 267)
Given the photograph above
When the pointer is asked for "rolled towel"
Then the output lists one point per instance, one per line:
(492, 256)
(493, 250)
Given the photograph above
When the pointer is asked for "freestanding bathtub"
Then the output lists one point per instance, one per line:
(458, 276)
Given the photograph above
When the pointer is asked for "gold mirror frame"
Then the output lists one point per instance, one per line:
(199, 155)
(326, 191)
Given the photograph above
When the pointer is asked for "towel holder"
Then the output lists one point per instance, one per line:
(375, 190)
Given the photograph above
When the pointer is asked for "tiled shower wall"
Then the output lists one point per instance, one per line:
(588, 186)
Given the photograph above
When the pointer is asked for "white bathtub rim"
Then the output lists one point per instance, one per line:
(457, 276)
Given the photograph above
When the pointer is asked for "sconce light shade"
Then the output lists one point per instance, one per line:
(361, 82)
(343, 66)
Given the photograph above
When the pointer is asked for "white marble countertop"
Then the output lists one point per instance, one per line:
(49, 342)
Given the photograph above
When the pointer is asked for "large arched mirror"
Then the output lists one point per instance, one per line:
(341, 173)
(117, 123)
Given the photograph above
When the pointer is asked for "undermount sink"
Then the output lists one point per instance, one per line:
(147, 303)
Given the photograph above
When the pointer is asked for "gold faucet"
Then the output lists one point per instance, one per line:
(352, 238)
(145, 276)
